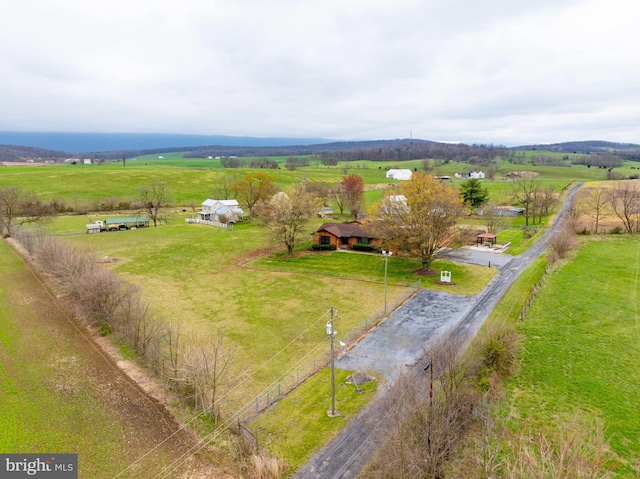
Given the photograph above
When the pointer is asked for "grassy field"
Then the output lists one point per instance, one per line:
(580, 353)
(270, 306)
(191, 180)
(195, 273)
(298, 425)
(59, 395)
(211, 279)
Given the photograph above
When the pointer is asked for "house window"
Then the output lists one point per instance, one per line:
(364, 240)
(325, 240)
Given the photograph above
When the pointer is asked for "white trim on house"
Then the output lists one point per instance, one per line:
(214, 210)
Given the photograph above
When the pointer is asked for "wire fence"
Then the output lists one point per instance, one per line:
(317, 359)
(227, 226)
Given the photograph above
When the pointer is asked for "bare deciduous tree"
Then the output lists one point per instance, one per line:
(253, 188)
(624, 198)
(206, 369)
(523, 191)
(153, 198)
(19, 207)
(494, 221)
(339, 198)
(222, 187)
(596, 203)
(544, 200)
(288, 215)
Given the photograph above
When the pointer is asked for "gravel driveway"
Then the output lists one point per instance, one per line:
(402, 338)
(405, 336)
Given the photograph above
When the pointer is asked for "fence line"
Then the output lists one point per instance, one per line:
(228, 226)
(281, 388)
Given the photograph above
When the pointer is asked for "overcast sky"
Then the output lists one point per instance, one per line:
(490, 71)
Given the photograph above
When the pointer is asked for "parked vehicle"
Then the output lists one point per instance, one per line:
(118, 224)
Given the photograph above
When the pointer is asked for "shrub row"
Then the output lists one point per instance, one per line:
(323, 247)
(364, 247)
(196, 367)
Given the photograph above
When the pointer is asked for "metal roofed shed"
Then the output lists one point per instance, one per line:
(140, 221)
(485, 237)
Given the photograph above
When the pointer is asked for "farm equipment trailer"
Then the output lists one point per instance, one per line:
(118, 224)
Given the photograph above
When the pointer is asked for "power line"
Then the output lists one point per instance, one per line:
(201, 413)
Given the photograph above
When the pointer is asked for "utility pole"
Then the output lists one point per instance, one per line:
(332, 333)
(430, 367)
(386, 255)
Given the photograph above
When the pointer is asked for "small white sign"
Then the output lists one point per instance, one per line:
(445, 276)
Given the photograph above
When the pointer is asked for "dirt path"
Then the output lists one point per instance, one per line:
(347, 453)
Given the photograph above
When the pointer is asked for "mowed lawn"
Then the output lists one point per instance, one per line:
(195, 273)
(58, 394)
(582, 346)
(271, 306)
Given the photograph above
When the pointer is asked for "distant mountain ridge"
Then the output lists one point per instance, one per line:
(16, 146)
(25, 153)
(583, 147)
(98, 142)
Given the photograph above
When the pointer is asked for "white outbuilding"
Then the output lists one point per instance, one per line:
(397, 174)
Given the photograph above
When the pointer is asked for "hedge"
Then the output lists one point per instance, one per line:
(323, 247)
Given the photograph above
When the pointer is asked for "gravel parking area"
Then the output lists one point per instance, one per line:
(401, 339)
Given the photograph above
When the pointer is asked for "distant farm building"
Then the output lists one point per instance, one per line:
(396, 174)
(472, 174)
(325, 211)
(507, 211)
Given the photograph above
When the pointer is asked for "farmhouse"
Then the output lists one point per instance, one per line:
(343, 235)
(472, 174)
(396, 174)
(217, 210)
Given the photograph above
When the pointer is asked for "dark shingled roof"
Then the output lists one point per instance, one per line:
(343, 230)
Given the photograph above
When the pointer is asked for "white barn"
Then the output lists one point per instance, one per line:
(396, 174)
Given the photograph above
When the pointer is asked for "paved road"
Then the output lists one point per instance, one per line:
(401, 343)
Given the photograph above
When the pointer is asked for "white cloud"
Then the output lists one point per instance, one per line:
(496, 71)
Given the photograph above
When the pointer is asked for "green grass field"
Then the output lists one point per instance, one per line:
(270, 306)
(580, 353)
(200, 275)
(195, 273)
(298, 425)
(191, 180)
(58, 395)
